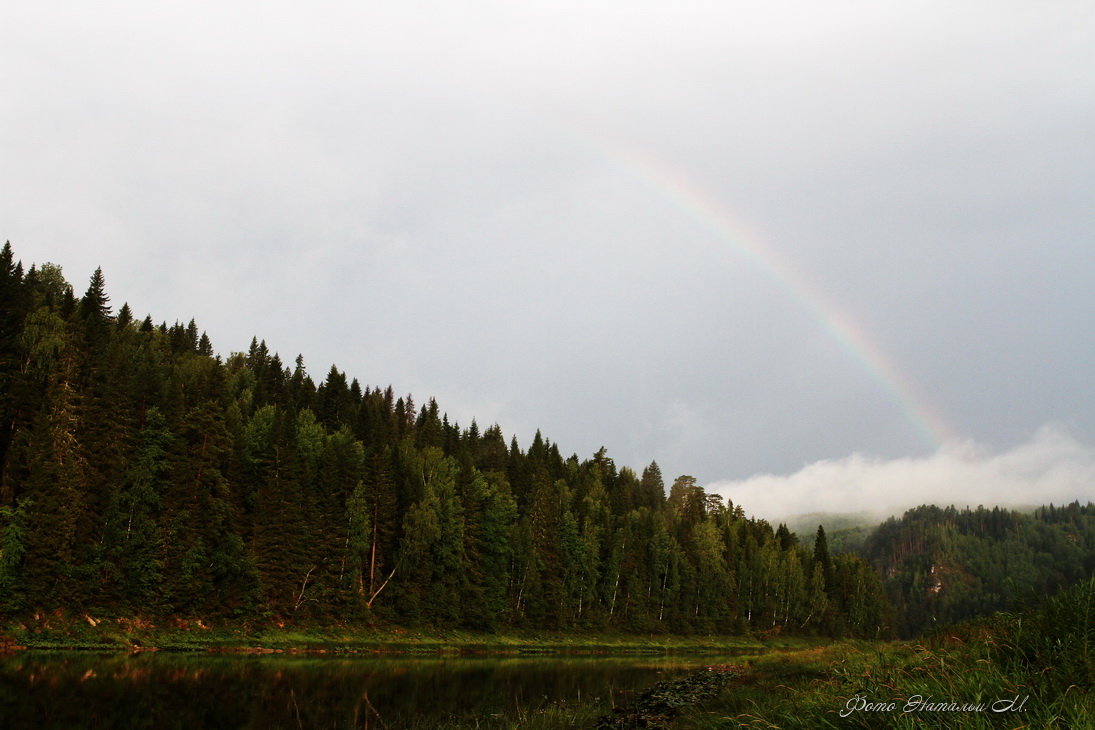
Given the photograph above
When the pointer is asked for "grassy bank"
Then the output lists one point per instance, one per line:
(61, 631)
(1034, 670)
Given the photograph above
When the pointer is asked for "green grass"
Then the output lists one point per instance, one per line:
(554, 716)
(61, 631)
(1046, 656)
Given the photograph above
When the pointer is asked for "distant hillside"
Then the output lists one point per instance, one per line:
(846, 531)
(806, 525)
(941, 565)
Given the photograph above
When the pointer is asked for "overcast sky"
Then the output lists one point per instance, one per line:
(737, 238)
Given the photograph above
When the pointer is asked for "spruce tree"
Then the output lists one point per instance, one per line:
(12, 313)
(95, 304)
(652, 486)
(205, 347)
(125, 316)
(133, 537)
(821, 556)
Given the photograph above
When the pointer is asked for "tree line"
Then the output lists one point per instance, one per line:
(943, 565)
(142, 473)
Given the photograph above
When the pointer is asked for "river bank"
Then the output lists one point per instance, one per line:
(88, 632)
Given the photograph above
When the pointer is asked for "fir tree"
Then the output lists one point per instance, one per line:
(133, 539)
(95, 304)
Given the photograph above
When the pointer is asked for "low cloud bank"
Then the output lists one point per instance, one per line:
(1051, 467)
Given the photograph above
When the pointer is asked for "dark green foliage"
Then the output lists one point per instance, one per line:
(133, 539)
(13, 297)
(125, 316)
(95, 304)
(1057, 641)
(12, 550)
(140, 473)
(943, 565)
(652, 487)
(490, 516)
(55, 485)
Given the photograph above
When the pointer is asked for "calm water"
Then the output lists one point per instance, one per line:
(89, 690)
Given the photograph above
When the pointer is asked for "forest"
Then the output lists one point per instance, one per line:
(141, 473)
(944, 565)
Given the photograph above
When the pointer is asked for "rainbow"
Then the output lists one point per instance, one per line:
(841, 327)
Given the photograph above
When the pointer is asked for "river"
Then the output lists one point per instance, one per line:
(161, 690)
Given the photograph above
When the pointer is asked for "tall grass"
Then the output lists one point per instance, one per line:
(1032, 670)
(1057, 642)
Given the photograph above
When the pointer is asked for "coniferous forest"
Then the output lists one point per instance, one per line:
(944, 565)
(144, 474)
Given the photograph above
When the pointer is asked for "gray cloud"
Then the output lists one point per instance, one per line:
(422, 195)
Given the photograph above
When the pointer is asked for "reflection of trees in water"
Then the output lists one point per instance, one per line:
(55, 690)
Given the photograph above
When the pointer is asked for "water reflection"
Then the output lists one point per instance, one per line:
(78, 690)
